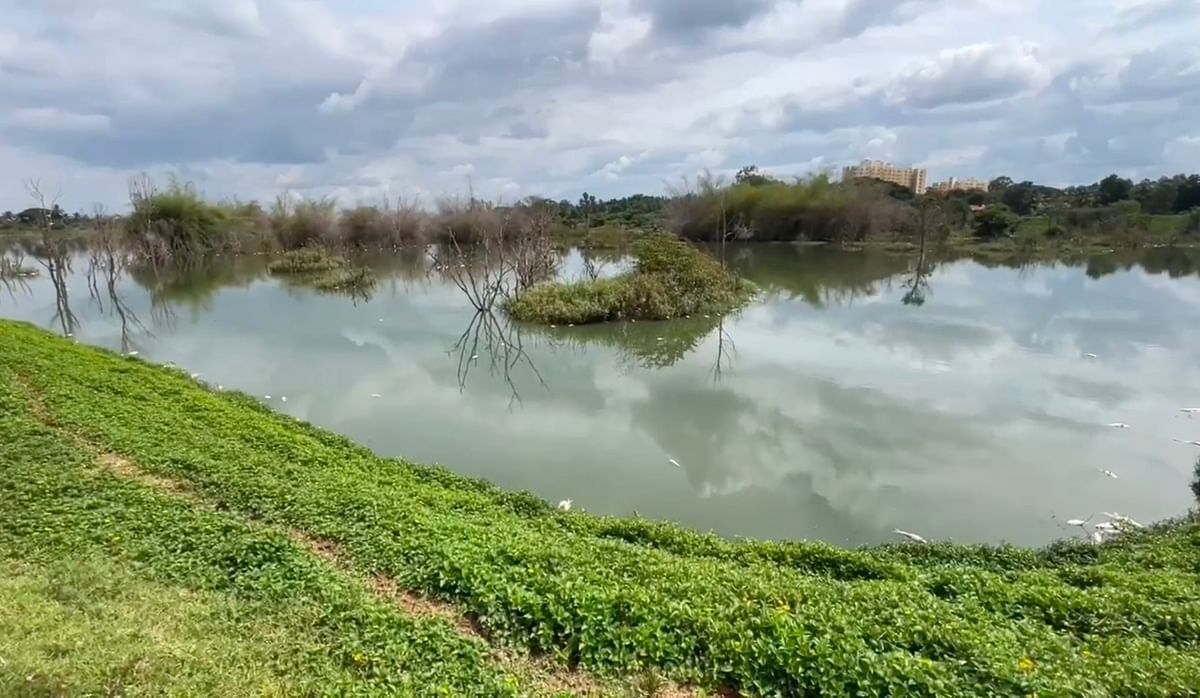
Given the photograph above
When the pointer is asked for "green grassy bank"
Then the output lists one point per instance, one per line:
(191, 577)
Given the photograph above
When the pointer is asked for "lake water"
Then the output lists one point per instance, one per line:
(829, 409)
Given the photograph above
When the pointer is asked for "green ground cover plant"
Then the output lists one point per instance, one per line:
(671, 279)
(617, 596)
(111, 588)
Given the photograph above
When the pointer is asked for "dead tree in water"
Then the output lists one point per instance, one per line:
(492, 255)
(930, 222)
(53, 254)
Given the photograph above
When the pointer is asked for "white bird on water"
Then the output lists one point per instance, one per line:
(910, 537)
(1109, 473)
(565, 505)
(1118, 425)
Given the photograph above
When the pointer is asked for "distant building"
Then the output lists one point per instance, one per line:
(954, 184)
(914, 178)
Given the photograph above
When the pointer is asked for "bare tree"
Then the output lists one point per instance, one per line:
(529, 252)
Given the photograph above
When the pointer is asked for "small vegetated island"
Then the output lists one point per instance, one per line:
(159, 536)
(324, 271)
(670, 279)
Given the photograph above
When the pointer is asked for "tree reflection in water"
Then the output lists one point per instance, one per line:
(497, 341)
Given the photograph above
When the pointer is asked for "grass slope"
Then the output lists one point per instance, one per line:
(617, 596)
(109, 588)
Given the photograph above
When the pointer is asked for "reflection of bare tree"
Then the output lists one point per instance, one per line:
(106, 266)
(54, 255)
(930, 221)
(14, 275)
(503, 345)
(917, 285)
(726, 352)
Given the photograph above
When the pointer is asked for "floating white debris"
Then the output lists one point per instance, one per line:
(283, 399)
(132, 353)
(221, 387)
(1118, 425)
(1097, 537)
(1189, 411)
(1090, 356)
(661, 339)
(69, 335)
(1076, 522)
(474, 357)
(1186, 443)
(376, 395)
(1110, 474)
(911, 537)
(381, 319)
(266, 397)
(674, 462)
(571, 325)
(565, 505)
(195, 376)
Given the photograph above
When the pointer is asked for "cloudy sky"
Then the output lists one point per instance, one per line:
(364, 98)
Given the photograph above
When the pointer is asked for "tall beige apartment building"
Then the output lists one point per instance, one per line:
(955, 184)
(915, 178)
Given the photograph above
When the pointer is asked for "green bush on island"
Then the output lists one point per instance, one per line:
(671, 279)
(306, 260)
(616, 596)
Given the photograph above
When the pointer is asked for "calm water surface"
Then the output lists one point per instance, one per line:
(829, 409)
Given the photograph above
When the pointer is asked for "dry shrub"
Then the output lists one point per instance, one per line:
(383, 226)
(298, 223)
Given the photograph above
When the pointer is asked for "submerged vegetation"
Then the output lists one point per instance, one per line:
(671, 279)
(281, 558)
(356, 281)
